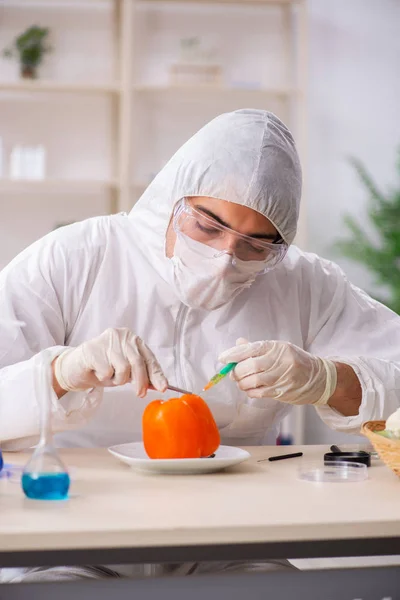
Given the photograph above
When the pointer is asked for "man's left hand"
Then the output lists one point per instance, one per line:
(281, 371)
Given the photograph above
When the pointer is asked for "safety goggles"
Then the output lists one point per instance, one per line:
(202, 228)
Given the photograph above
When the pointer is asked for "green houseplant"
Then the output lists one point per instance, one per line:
(30, 47)
(382, 256)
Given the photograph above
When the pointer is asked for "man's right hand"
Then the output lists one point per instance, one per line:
(114, 358)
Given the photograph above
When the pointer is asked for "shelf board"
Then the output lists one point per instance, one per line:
(243, 2)
(39, 85)
(33, 186)
(55, 3)
(213, 89)
(88, 3)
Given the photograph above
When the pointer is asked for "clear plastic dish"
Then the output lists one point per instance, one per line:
(337, 472)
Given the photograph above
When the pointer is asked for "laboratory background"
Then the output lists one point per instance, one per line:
(96, 95)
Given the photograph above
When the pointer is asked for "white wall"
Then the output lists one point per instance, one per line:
(354, 90)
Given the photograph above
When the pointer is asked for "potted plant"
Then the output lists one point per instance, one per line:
(30, 47)
(380, 254)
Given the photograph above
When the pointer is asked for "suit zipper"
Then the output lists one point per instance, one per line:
(178, 346)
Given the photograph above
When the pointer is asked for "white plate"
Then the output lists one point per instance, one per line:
(134, 455)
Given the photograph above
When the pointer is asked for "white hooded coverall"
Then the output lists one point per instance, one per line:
(112, 271)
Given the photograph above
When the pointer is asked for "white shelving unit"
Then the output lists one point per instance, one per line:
(129, 94)
(126, 79)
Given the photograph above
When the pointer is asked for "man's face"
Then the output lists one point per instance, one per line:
(240, 219)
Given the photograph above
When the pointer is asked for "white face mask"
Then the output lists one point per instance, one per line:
(207, 278)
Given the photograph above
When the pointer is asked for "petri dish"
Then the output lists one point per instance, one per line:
(335, 472)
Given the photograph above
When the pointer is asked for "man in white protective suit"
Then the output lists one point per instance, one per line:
(201, 272)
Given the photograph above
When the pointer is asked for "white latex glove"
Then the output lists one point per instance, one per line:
(116, 357)
(281, 371)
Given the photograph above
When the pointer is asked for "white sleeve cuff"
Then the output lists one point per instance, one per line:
(73, 408)
(334, 419)
(20, 395)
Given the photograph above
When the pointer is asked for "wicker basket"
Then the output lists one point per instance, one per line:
(388, 450)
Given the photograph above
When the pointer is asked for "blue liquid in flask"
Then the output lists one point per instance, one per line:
(46, 486)
(44, 476)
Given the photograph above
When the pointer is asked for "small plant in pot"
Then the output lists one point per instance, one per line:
(30, 47)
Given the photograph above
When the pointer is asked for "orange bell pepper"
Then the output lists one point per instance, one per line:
(179, 428)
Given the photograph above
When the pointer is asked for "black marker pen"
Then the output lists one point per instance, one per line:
(283, 456)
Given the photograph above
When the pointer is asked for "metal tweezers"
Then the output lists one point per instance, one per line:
(179, 390)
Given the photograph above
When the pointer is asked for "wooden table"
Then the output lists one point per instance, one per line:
(257, 510)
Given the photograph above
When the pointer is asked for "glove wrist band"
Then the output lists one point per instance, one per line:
(59, 376)
(331, 382)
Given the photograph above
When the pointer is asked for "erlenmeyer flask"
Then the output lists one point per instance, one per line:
(45, 477)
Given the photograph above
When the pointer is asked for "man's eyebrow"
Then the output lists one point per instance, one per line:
(258, 236)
